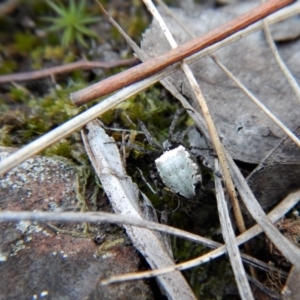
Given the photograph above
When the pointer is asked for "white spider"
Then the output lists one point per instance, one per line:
(177, 166)
(179, 171)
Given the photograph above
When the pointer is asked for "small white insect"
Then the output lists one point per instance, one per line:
(179, 171)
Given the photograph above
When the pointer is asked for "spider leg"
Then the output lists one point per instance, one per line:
(164, 216)
(134, 146)
(177, 138)
(207, 165)
(181, 136)
(172, 137)
(149, 137)
(146, 182)
(191, 148)
(156, 179)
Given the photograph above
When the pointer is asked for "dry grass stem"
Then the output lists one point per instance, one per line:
(289, 250)
(209, 122)
(278, 212)
(78, 65)
(290, 78)
(158, 63)
(287, 131)
(230, 241)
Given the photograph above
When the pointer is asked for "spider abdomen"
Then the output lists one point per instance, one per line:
(179, 171)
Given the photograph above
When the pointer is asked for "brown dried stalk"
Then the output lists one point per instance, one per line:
(158, 63)
(82, 64)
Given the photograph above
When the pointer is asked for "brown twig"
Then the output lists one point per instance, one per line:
(8, 7)
(158, 63)
(82, 64)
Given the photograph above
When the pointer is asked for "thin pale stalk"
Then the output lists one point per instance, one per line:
(286, 130)
(93, 217)
(230, 241)
(160, 62)
(286, 72)
(277, 213)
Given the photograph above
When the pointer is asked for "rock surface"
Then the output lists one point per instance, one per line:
(37, 262)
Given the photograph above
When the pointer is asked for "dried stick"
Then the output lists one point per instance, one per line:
(274, 215)
(158, 63)
(82, 64)
(230, 242)
(290, 78)
(93, 217)
(8, 7)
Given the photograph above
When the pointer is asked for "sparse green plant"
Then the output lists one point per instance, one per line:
(72, 20)
(62, 148)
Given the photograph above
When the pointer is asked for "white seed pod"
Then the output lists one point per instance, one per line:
(179, 171)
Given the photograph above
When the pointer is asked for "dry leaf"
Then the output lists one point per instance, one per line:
(246, 132)
(278, 174)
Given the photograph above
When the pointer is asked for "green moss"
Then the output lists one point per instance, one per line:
(5, 137)
(208, 280)
(57, 54)
(138, 24)
(18, 94)
(37, 56)
(148, 106)
(25, 42)
(8, 66)
(34, 127)
(40, 116)
(62, 148)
